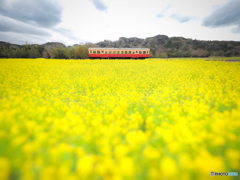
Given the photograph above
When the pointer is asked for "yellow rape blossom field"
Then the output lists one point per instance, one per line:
(118, 119)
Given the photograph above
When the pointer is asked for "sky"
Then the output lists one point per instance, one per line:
(80, 21)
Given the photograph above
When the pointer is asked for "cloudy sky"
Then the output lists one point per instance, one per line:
(77, 21)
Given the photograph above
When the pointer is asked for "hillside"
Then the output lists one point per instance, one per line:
(161, 46)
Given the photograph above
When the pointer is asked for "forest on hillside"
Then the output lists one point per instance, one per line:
(161, 46)
(48, 50)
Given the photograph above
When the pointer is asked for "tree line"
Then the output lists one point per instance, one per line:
(160, 46)
(53, 52)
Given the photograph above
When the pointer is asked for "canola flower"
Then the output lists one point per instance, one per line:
(120, 119)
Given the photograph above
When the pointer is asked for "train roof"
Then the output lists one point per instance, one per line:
(120, 48)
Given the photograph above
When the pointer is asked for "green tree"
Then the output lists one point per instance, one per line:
(27, 46)
(17, 53)
(162, 55)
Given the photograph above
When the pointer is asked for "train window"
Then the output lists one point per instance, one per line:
(102, 51)
(94, 52)
(140, 52)
(105, 52)
(133, 52)
(129, 52)
(114, 52)
(98, 52)
(122, 52)
(144, 52)
(125, 52)
(110, 52)
(136, 51)
(117, 52)
(147, 52)
(91, 51)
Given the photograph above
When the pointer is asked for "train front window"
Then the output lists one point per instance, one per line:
(144, 52)
(140, 52)
(94, 52)
(98, 52)
(129, 52)
(105, 52)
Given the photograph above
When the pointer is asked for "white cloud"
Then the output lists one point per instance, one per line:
(11, 25)
(99, 5)
(82, 21)
(224, 16)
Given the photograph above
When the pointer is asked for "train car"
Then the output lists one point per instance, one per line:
(118, 53)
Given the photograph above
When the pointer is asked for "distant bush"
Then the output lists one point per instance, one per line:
(162, 55)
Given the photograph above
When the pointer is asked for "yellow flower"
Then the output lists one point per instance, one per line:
(85, 165)
(168, 167)
(121, 151)
(233, 158)
(4, 168)
(115, 119)
(151, 153)
(127, 167)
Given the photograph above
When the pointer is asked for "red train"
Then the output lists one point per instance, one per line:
(118, 53)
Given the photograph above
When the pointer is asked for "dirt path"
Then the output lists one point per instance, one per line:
(232, 60)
